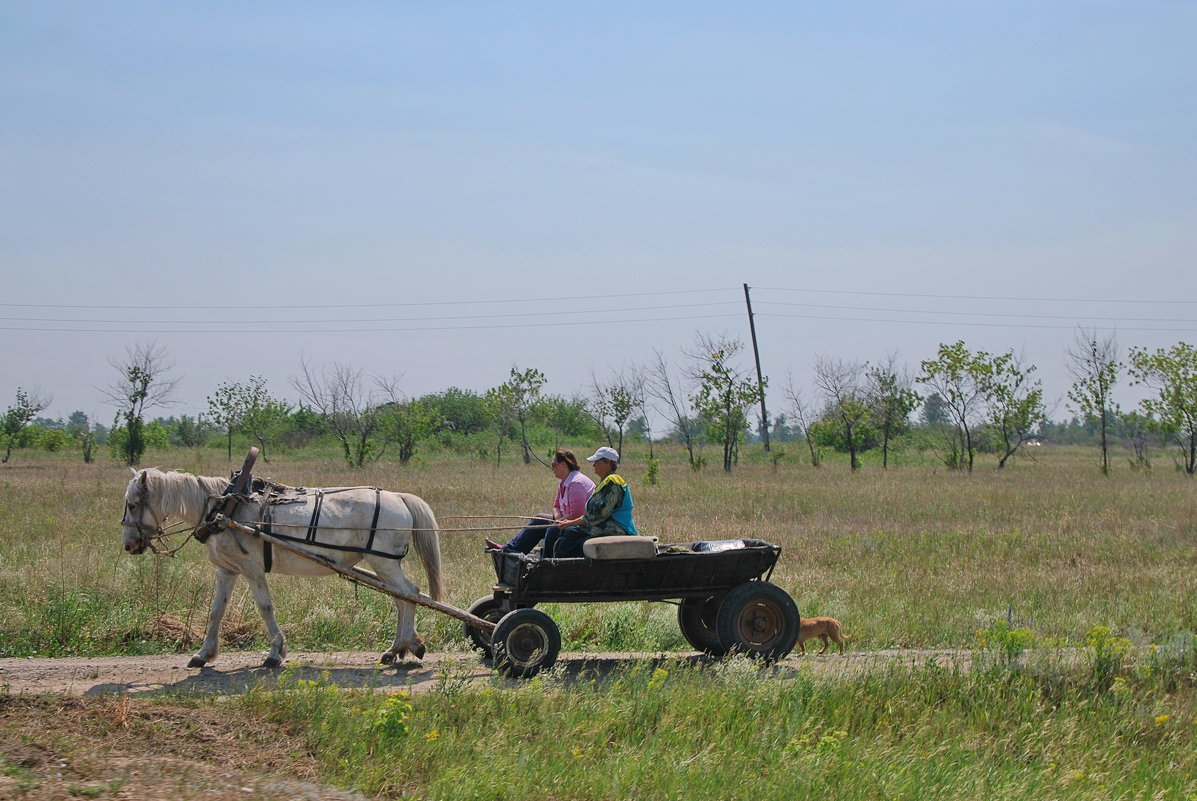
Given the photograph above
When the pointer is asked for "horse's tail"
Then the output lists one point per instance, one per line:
(428, 542)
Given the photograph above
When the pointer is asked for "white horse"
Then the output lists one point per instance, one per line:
(352, 522)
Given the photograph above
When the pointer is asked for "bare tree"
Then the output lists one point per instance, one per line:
(801, 409)
(841, 383)
(143, 385)
(1093, 365)
(348, 404)
(661, 386)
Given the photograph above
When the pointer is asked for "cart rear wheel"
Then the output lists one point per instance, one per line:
(696, 617)
(488, 607)
(525, 642)
(758, 619)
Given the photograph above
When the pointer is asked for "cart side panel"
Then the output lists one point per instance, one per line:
(669, 575)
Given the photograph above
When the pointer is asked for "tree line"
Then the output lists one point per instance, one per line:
(960, 403)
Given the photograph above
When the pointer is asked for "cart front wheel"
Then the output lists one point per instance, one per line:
(758, 619)
(696, 617)
(525, 642)
(488, 607)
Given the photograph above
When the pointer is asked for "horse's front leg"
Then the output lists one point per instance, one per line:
(220, 602)
(278, 641)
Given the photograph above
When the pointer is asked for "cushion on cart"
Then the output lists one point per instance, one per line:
(620, 547)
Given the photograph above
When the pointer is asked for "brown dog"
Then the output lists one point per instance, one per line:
(825, 628)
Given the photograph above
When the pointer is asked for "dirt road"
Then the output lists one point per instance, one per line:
(237, 671)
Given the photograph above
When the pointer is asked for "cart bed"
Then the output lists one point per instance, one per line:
(688, 570)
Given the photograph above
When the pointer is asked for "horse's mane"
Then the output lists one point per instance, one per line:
(182, 495)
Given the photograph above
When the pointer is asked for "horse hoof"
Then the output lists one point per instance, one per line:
(418, 651)
(272, 662)
(197, 661)
(388, 658)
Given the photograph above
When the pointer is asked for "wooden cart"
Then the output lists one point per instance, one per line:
(725, 601)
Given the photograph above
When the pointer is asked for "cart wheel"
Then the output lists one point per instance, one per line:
(696, 618)
(758, 619)
(525, 642)
(488, 607)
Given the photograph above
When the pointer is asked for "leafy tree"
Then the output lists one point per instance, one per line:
(567, 418)
(521, 394)
(153, 435)
(301, 427)
(891, 401)
(1093, 364)
(143, 385)
(935, 410)
(189, 432)
(1014, 401)
(955, 376)
(459, 411)
(262, 415)
(1172, 373)
(19, 415)
(723, 394)
(80, 427)
(405, 423)
(226, 410)
(500, 406)
(618, 399)
(847, 403)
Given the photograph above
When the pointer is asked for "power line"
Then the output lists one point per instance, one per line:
(970, 297)
(359, 319)
(360, 330)
(258, 307)
(976, 314)
(982, 325)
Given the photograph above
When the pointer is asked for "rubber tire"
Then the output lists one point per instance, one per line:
(525, 642)
(696, 617)
(758, 619)
(488, 607)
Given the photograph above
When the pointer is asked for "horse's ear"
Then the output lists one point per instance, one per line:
(143, 478)
(134, 472)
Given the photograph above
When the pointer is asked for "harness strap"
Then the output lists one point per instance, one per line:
(374, 522)
(315, 521)
(267, 548)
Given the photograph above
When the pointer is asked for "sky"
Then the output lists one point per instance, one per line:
(435, 193)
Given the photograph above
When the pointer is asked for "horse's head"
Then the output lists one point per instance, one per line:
(141, 523)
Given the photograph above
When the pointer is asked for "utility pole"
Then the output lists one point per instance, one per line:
(760, 381)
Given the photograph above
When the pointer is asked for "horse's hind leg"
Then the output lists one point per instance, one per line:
(406, 639)
(220, 602)
(278, 641)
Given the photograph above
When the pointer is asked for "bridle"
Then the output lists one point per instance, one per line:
(134, 518)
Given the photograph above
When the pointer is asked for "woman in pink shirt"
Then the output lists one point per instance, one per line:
(572, 491)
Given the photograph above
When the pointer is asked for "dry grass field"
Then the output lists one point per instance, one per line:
(916, 556)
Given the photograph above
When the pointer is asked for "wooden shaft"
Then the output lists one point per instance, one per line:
(360, 575)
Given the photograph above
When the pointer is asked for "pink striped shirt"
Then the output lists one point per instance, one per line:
(572, 493)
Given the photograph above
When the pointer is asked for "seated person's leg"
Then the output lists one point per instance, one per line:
(569, 543)
(529, 536)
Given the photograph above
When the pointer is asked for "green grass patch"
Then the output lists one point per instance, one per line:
(678, 729)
